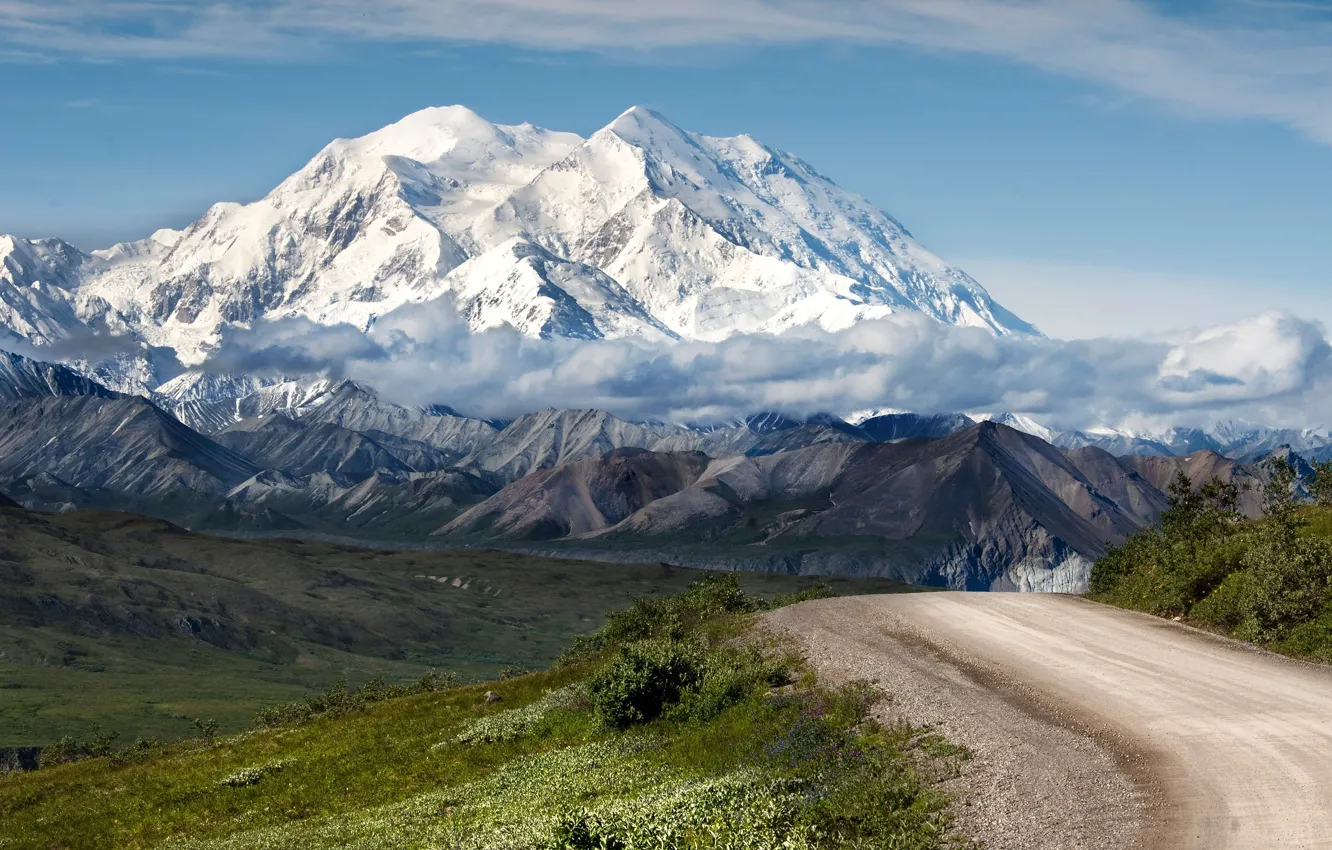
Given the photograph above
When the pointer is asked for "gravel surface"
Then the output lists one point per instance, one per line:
(1093, 727)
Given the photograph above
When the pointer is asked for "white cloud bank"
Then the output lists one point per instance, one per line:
(1263, 59)
(1273, 367)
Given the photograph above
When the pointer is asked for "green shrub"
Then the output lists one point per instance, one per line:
(141, 750)
(1262, 580)
(1290, 582)
(69, 749)
(712, 596)
(337, 700)
(643, 679)
(818, 590)
(1227, 605)
(729, 676)
(1321, 485)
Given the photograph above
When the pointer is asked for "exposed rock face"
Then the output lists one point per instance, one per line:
(550, 438)
(349, 405)
(583, 495)
(19, 759)
(275, 442)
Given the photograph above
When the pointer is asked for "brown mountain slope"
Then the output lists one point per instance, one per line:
(582, 496)
(987, 507)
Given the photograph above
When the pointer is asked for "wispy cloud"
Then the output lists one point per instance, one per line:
(1257, 60)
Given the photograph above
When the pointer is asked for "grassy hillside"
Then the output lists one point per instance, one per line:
(662, 730)
(1266, 580)
(141, 627)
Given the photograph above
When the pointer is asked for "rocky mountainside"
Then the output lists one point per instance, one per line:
(889, 427)
(641, 230)
(273, 441)
(22, 377)
(583, 496)
(227, 400)
(989, 507)
(935, 499)
(125, 445)
(550, 438)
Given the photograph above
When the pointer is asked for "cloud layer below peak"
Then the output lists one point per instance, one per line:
(1273, 367)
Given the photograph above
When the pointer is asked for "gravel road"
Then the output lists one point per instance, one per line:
(1093, 727)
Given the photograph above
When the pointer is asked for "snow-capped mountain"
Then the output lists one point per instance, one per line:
(37, 278)
(1018, 422)
(641, 230)
(717, 236)
(1240, 441)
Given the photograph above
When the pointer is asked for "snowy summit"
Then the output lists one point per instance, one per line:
(642, 230)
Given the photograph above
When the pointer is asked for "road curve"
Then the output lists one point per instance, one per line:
(1224, 746)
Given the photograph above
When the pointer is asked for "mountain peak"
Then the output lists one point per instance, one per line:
(426, 136)
(645, 127)
(645, 230)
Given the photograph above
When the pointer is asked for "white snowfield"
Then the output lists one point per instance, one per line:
(1230, 748)
(642, 230)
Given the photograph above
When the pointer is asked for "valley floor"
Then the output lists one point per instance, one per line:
(674, 726)
(1093, 726)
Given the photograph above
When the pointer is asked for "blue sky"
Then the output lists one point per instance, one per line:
(1103, 166)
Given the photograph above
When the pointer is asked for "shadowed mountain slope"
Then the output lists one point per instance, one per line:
(125, 444)
(988, 507)
(275, 442)
(23, 377)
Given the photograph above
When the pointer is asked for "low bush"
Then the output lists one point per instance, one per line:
(514, 723)
(1266, 580)
(69, 749)
(730, 675)
(337, 700)
(712, 596)
(248, 776)
(644, 679)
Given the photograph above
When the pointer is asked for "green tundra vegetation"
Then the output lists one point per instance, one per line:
(1266, 580)
(676, 725)
(144, 628)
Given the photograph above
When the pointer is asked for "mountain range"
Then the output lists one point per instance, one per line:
(642, 230)
(934, 499)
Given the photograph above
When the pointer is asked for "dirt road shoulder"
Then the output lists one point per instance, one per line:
(1040, 778)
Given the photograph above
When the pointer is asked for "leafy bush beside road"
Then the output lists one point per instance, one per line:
(1266, 580)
